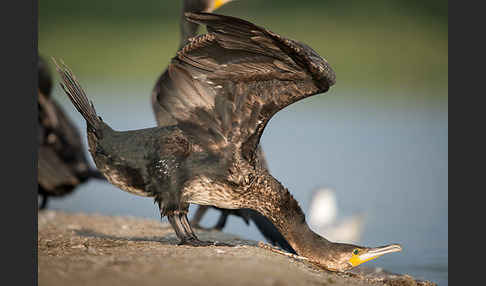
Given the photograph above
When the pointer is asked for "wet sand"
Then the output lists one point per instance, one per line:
(81, 249)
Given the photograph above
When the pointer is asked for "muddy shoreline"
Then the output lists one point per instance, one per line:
(82, 249)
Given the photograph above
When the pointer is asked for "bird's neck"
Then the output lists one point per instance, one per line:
(270, 198)
(189, 29)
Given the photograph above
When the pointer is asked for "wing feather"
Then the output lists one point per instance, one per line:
(231, 81)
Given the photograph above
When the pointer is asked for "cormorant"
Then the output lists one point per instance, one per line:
(163, 89)
(232, 80)
(62, 165)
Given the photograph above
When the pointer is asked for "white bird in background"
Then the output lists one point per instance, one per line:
(322, 216)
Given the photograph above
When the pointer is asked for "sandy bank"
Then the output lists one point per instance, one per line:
(80, 249)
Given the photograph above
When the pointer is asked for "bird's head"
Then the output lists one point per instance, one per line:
(341, 257)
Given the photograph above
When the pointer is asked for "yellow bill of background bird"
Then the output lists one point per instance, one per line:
(219, 3)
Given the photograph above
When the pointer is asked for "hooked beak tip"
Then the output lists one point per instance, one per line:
(386, 249)
(397, 246)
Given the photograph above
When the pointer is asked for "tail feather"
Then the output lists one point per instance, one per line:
(78, 97)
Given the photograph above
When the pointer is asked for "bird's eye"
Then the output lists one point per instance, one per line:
(355, 252)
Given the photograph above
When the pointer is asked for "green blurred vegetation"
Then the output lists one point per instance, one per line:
(370, 44)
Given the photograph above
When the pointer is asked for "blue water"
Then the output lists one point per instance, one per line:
(385, 153)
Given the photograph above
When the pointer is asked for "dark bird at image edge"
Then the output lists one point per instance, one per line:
(61, 164)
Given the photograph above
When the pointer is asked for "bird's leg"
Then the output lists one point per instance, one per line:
(201, 210)
(178, 220)
(187, 225)
(43, 204)
(190, 232)
(196, 219)
(222, 221)
(177, 216)
(188, 228)
(176, 223)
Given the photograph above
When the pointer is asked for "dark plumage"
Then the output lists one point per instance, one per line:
(231, 81)
(163, 88)
(62, 165)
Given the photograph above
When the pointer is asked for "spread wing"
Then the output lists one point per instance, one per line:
(163, 88)
(233, 79)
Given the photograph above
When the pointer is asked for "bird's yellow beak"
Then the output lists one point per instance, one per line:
(219, 3)
(372, 253)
